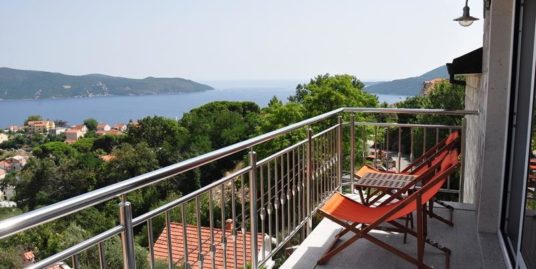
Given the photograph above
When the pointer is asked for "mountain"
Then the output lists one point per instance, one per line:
(407, 86)
(24, 84)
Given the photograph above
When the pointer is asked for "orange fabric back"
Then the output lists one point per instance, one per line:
(420, 170)
(452, 137)
(447, 144)
(447, 167)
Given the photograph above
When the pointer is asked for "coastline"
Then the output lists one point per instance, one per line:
(102, 96)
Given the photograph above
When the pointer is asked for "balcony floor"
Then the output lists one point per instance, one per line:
(469, 249)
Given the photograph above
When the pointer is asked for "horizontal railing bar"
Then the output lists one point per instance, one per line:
(410, 111)
(188, 197)
(84, 245)
(406, 125)
(48, 213)
(324, 131)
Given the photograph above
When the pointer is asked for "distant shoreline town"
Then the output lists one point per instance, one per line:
(72, 133)
(67, 134)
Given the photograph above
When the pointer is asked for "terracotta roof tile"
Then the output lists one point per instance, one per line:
(177, 241)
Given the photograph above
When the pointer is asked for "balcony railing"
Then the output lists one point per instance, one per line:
(286, 188)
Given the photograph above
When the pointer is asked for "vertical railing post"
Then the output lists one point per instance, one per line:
(253, 207)
(399, 149)
(364, 142)
(76, 261)
(150, 238)
(102, 260)
(127, 236)
(352, 151)
(309, 179)
(462, 160)
(339, 152)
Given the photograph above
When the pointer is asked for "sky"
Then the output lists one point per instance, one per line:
(236, 39)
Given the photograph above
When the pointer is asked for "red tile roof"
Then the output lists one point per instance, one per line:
(107, 157)
(78, 127)
(72, 131)
(6, 165)
(120, 126)
(160, 247)
(28, 256)
(37, 123)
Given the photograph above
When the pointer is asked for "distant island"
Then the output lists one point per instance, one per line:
(25, 84)
(408, 86)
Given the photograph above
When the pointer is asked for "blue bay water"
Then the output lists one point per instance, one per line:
(118, 109)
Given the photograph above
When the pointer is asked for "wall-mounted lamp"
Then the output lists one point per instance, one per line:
(466, 19)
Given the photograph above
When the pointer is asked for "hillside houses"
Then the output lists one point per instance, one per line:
(15, 128)
(39, 126)
(3, 137)
(77, 131)
(58, 130)
(120, 127)
(72, 135)
(15, 163)
(105, 129)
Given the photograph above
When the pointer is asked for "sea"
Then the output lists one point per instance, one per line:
(121, 109)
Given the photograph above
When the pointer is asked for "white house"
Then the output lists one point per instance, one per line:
(103, 127)
(58, 130)
(3, 137)
(72, 135)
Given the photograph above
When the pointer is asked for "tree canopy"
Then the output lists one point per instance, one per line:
(328, 92)
(91, 124)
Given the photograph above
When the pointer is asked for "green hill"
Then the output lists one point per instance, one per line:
(407, 86)
(24, 84)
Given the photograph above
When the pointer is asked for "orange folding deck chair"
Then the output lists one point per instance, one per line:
(422, 166)
(344, 211)
(446, 143)
(441, 162)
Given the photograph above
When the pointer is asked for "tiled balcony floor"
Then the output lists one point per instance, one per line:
(469, 249)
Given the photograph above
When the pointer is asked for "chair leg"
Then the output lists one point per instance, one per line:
(407, 224)
(428, 241)
(345, 230)
(440, 218)
(334, 250)
(420, 234)
(395, 251)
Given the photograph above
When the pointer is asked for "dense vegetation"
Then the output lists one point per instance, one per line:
(23, 84)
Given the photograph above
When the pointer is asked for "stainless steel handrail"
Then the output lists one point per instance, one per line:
(407, 125)
(442, 112)
(49, 213)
